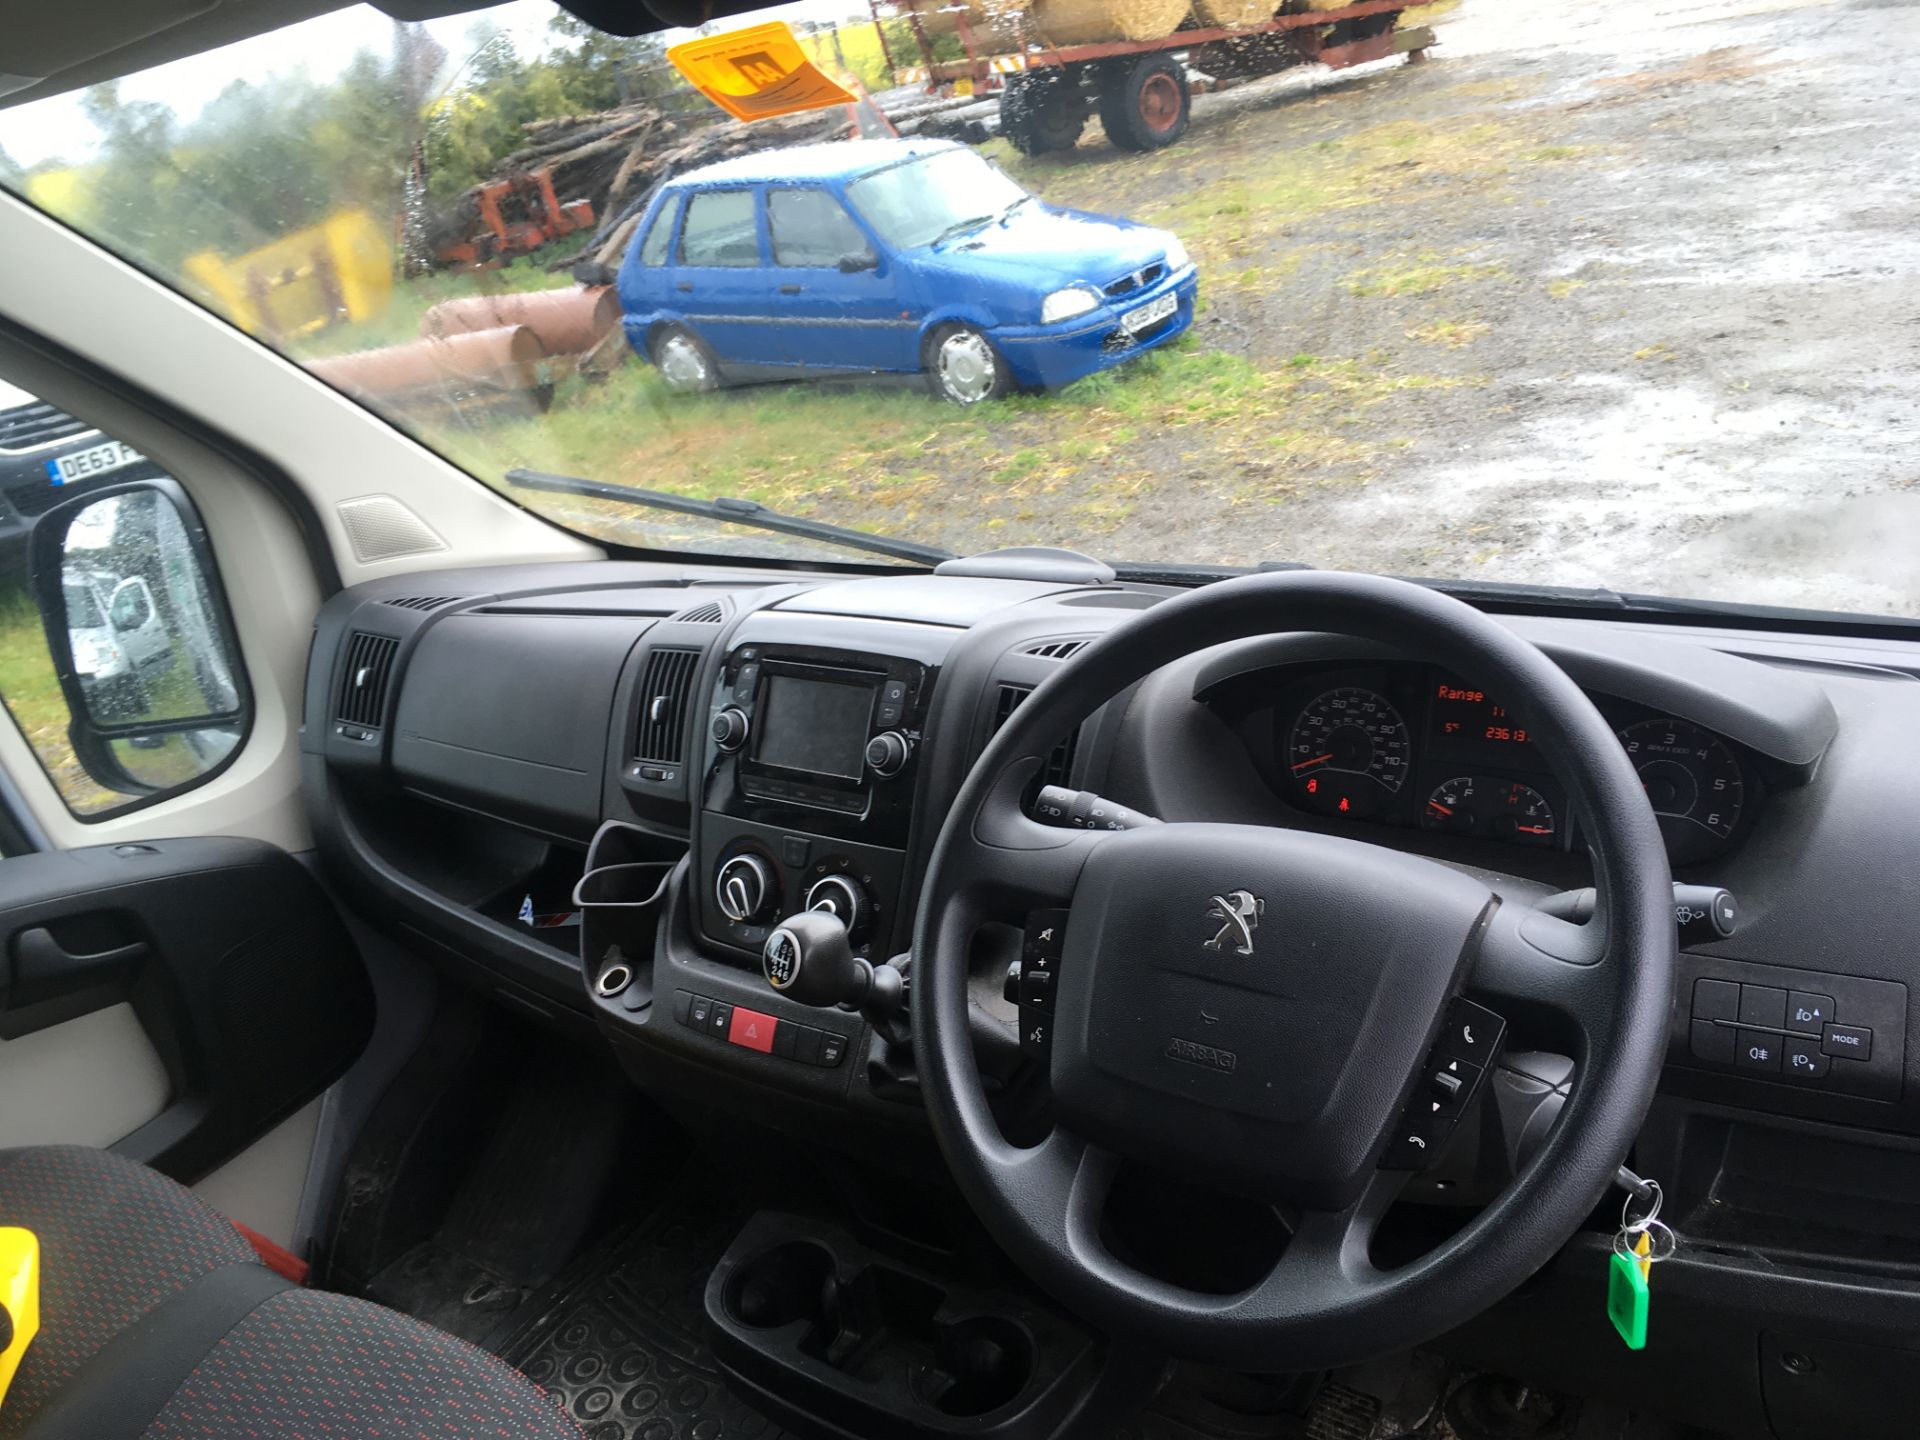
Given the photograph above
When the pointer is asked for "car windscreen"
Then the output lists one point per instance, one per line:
(916, 203)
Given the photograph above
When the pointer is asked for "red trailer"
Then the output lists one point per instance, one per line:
(1139, 88)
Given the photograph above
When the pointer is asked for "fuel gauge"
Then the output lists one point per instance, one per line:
(1497, 809)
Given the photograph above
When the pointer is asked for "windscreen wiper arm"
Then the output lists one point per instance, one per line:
(960, 227)
(732, 511)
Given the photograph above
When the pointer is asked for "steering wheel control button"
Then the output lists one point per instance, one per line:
(1716, 1000)
(1415, 1144)
(1472, 1033)
(1852, 1042)
(1036, 991)
(1045, 940)
(1712, 1043)
(1764, 1006)
(1808, 1013)
(1802, 1058)
(752, 1030)
(1758, 1051)
(1036, 1032)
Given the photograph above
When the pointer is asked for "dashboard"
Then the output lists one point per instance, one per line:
(1413, 746)
(591, 792)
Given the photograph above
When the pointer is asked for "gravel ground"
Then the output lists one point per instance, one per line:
(1676, 319)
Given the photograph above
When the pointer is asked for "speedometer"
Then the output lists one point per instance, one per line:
(1692, 781)
(1348, 751)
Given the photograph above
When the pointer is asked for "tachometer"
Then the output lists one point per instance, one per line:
(1692, 780)
(1501, 809)
(1348, 751)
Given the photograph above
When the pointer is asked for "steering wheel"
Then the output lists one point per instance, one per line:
(1315, 1041)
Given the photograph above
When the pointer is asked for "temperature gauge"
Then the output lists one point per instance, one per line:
(1497, 809)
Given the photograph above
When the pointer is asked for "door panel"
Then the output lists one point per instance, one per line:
(91, 1081)
(830, 318)
(719, 279)
(226, 951)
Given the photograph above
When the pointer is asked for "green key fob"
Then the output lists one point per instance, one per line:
(1627, 1300)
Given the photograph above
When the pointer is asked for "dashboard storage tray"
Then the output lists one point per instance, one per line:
(619, 899)
(831, 1336)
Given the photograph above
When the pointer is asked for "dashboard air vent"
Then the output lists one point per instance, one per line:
(709, 614)
(1058, 769)
(665, 686)
(423, 602)
(1057, 649)
(363, 684)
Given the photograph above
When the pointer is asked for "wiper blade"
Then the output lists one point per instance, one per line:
(734, 512)
(960, 226)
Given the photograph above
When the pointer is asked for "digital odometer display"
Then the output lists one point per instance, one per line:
(1466, 720)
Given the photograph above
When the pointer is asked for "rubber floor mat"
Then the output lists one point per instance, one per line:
(621, 1337)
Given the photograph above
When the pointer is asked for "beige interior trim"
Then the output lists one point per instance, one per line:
(260, 1187)
(69, 289)
(91, 1081)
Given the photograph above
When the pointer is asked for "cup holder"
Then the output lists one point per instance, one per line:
(989, 1359)
(794, 1281)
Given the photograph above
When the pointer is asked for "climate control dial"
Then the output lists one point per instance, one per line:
(842, 897)
(745, 890)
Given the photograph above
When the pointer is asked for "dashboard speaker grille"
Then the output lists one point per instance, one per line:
(423, 602)
(380, 528)
(363, 684)
(664, 688)
(709, 614)
(1059, 767)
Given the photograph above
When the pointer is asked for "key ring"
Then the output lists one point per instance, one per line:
(1661, 1241)
(1630, 1226)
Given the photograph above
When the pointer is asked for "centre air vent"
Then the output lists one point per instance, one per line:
(665, 686)
(363, 683)
(1058, 769)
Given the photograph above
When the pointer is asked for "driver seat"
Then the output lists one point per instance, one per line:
(157, 1320)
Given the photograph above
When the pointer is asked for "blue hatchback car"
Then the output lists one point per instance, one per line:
(901, 256)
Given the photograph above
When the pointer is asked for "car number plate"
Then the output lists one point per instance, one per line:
(94, 460)
(1151, 313)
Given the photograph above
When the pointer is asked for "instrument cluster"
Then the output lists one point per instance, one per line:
(1414, 746)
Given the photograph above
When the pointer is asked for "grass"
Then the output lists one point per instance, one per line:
(1453, 334)
(1419, 275)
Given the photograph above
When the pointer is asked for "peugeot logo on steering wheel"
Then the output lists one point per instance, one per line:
(1238, 912)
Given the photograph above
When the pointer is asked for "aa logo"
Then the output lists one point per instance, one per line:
(760, 69)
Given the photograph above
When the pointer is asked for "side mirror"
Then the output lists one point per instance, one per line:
(854, 264)
(143, 649)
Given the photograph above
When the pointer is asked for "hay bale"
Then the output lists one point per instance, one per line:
(1235, 12)
(1089, 22)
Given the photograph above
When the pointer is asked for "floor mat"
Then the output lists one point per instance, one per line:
(621, 1337)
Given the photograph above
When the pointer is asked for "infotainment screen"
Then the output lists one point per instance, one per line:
(814, 725)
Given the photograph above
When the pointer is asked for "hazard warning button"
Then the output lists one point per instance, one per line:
(752, 1029)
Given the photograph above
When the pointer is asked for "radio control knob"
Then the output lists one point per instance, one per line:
(842, 897)
(887, 752)
(730, 728)
(743, 889)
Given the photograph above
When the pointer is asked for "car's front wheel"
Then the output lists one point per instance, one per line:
(964, 366)
(684, 362)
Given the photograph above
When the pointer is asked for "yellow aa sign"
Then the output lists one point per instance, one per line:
(757, 73)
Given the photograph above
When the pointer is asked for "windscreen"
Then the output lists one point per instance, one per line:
(1611, 299)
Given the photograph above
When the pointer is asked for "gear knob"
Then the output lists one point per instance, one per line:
(808, 958)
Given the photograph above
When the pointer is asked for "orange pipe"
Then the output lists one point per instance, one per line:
(568, 322)
(503, 360)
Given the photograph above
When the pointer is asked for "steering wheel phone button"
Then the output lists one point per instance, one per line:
(1713, 1043)
(1758, 1051)
(1802, 1058)
(1415, 1143)
(1851, 1042)
(1764, 1006)
(1472, 1032)
(1807, 1012)
(1716, 1000)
